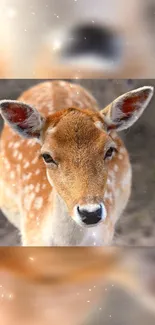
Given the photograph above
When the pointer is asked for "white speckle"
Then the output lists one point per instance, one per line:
(37, 189)
(38, 203)
(116, 168)
(31, 258)
(10, 145)
(37, 172)
(27, 176)
(120, 157)
(35, 160)
(31, 142)
(12, 174)
(7, 165)
(26, 165)
(31, 187)
(88, 300)
(11, 296)
(28, 200)
(20, 156)
(16, 144)
(44, 186)
(26, 189)
(15, 153)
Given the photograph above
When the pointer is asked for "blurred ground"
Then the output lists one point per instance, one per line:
(137, 225)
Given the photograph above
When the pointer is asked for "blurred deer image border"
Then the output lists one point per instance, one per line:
(82, 158)
(43, 37)
(58, 280)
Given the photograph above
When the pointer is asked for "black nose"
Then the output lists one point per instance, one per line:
(95, 40)
(90, 217)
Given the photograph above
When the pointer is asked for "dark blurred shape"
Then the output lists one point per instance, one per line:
(86, 40)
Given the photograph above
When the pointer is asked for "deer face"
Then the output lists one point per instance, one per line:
(77, 148)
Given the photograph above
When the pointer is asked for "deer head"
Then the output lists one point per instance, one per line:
(78, 149)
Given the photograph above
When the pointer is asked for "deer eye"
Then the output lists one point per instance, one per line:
(110, 152)
(48, 159)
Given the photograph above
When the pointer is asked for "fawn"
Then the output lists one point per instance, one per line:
(65, 173)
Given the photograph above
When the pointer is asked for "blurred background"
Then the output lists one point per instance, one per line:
(136, 226)
(113, 287)
(77, 39)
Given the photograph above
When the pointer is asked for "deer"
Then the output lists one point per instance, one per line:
(45, 286)
(66, 175)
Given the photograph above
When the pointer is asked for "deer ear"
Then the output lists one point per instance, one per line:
(22, 118)
(126, 109)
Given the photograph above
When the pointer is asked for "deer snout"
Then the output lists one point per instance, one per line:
(90, 214)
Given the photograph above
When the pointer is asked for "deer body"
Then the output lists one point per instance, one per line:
(58, 204)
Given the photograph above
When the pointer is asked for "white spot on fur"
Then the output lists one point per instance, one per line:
(27, 176)
(44, 186)
(31, 187)
(37, 172)
(35, 160)
(26, 165)
(7, 166)
(120, 157)
(12, 174)
(38, 203)
(10, 145)
(15, 153)
(28, 200)
(31, 142)
(16, 145)
(20, 156)
(37, 189)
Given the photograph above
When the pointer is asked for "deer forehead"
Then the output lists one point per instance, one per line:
(77, 128)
